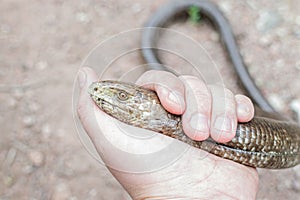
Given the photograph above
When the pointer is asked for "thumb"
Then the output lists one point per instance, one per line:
(85, 104)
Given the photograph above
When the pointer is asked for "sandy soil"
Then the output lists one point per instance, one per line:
(42, 45)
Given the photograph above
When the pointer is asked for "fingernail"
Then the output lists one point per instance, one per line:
(199, 122)
(223, 124)
(243, 110)
(177, 98)
(81, 78)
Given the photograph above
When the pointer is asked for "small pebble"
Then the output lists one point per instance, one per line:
(225, 6)
(282, 32)
(36, 157)
(214, 36)
(29, 121)
(136, 8)
(265, 40)
(276, 102)
(83, 17)
(33, 107)
(248, 59)
(280, 63)
(4, 28)
(93, 192)
(46, 131)
(28, 169)
(61, 192)
(41, 65)
(268, 20)
(8, 180)
(12, 102)
(10, 156)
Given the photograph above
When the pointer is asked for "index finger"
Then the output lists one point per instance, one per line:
(168, 87)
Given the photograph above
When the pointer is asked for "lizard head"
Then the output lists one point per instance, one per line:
(126, 102)
(131, 104)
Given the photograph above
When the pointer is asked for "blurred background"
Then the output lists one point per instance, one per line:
(42, 45)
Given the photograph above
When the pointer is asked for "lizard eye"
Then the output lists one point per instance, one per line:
(123, 96)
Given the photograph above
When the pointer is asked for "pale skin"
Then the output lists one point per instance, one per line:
(189, 177)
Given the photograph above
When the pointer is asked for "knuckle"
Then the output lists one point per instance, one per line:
(230, 107)
(204, 106)
(192, 81)
(228, 94)
(202, 94)
(200, 101)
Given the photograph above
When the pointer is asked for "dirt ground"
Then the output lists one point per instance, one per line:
(42, 45)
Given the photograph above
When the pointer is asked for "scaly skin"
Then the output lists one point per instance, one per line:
(262, 142)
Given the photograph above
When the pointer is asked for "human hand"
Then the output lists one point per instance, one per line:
(189, 176)
(207, 110)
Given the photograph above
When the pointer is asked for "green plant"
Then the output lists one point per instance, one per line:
(194, 14)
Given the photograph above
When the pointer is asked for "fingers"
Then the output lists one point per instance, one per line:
(196, 118)
(245, 108)
(223, 115)
(206, 111)
(168, 87)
